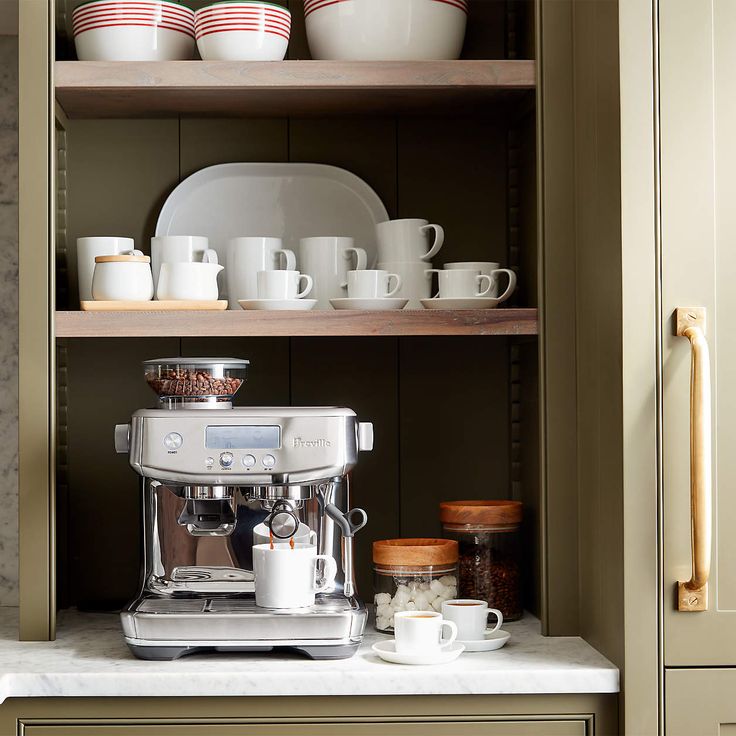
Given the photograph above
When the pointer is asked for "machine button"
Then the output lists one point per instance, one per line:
(226, 459)
(269, 461)
(173, 441)
(249, 461)
(209, 462)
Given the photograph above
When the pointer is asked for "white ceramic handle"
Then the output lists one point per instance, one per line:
(391, 291)
(480, 279)
(308, 288)
(428, 273)
(330, 573)
(289, 258)
(361, 261)
(512, 283)
(439, 239)
(313, 538)
(444, 643)
(131, 252)
(210, 256)
(499, 617)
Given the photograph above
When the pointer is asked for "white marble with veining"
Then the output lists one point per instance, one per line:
(90, 659)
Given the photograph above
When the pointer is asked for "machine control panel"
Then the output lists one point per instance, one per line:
(246, 446)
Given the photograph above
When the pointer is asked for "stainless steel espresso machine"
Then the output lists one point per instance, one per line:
(217, 479)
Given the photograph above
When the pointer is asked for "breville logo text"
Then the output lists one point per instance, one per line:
(299, 442)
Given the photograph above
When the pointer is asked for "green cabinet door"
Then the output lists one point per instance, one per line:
(698, 235)
(700, 702)
(449, 728)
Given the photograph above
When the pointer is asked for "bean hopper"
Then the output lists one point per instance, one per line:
(215, 480)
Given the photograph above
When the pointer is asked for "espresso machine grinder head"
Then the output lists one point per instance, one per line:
(218, 480)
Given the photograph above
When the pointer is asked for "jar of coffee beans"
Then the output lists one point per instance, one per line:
(489, 545)
(412, 575)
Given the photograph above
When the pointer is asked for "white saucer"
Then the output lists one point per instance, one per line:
(301, 305)
(470, 302)
(492, 640)
(376, 305)
(386, 650)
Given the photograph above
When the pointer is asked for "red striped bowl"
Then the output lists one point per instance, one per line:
(242, 31)
(385, 30)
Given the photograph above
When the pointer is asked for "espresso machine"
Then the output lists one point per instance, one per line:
(216, 480)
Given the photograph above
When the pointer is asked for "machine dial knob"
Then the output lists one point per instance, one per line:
(249, 461)
(122, 438)
(226, 459)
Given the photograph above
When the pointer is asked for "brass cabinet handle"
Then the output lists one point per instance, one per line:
(693, 594)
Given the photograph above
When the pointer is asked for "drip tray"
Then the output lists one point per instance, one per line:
(195, 620)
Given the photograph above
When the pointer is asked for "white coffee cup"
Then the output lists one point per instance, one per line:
(421, 631)
(283, 284)
(471, 618)
(124, 277)
(462, 283)
(327, 260)
(287, 577)
(372, 284)
(416, 283)
(246, 257)
(87, 250)
(488, 268)
(408, 240)
(189, 281)
(176, 249)
(304, 535)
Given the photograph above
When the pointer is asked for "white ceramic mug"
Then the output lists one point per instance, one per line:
(471, 618)
(87, 250)
(246, 257)
(176, 249)
(416, 283)
(408, 240)
(462, 283)
(124, 277)
(287, 577)
(188, 281)
(372, 284)
(421, 631)
(327, 260)
(488, 268)
(304, 535)
(283, 284)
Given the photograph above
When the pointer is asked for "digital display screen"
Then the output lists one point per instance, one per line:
(243, 438)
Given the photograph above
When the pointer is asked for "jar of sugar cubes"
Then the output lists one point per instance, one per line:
(412, 575)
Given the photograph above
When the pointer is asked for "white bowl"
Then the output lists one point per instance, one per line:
(385, 30)
(152, 42)
(242, 32)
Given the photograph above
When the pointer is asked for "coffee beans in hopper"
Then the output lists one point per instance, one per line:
(192, 383)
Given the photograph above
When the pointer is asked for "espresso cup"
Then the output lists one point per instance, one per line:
(124, 277)
(327, 260)
(87, 250)
(462, 283)
(416, 283)
(283, 284)
(421, 631)
(471, 618)
(491, 269)
(289, 577)
(246, 257)
(189, 281)
(176, 249)
(373, 284)
(408, 240)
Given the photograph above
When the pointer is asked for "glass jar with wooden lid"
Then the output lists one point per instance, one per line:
(488, 534)
(412, 575)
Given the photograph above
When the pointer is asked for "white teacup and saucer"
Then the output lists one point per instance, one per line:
(471, 618)
(418, 640)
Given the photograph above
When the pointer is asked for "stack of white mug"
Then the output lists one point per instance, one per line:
(404, 248)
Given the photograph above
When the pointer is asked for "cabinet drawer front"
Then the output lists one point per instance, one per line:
(503, 727)
(700, 702)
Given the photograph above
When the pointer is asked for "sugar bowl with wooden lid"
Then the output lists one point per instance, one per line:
(412, 575)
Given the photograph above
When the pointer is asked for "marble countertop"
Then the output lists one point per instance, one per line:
(89, 658)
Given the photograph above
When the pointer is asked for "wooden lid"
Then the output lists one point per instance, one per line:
(418, 551)
(122, 259)
(486, 513)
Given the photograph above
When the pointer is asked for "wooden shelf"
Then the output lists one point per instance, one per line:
(296, 324)
(87, 89)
